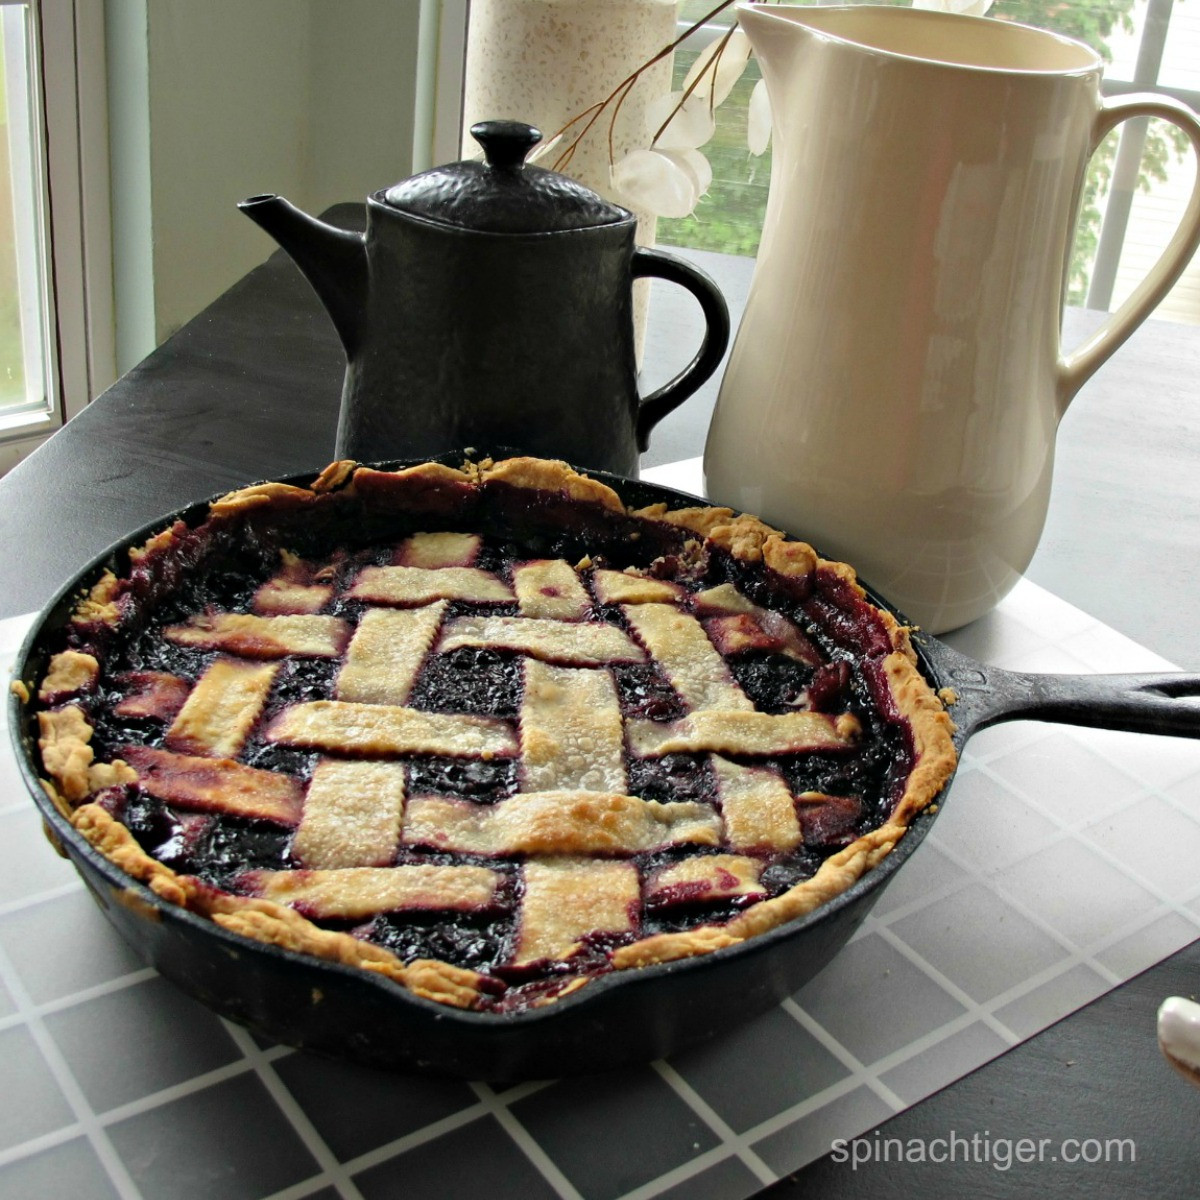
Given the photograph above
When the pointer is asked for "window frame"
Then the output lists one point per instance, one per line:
(67, 109)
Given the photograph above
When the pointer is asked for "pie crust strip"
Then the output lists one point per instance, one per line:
(572, 735)
(352, 814)
(387, 652)
(702, 879)
(293, 589)
(216, 785)
(622, 587)
(549, 823)
(221, 709)
(383, 729)
(354, 893)
(755, 734)
(733, 615)
(758, 809)
(154, 694)
(422, 585)
(575, 643)
(566, 900)
(677, 641)
(252, 636)
(549, 588)
(444, 548)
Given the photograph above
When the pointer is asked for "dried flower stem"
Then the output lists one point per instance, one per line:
(617, 96)
(713, 67)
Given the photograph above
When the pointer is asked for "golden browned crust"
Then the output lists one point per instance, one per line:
(159, 541)
(740, 534)
(932, 734)
(120, 847)
(99, 606)
(425, 476)
(335, 476)
(548, 475)
(258, 496)
(64, 734)
(793, 560)
(743, 537)
(70, 671)
(440, 981)
(667, 947)
(701, 520)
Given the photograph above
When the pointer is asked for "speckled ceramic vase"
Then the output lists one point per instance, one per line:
(546, 61)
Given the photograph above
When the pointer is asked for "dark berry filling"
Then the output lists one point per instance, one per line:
(480, 780)
(644, 691)
(775, 683)
(477, 941)
(233, 845)
(673, 777)
(472, 680)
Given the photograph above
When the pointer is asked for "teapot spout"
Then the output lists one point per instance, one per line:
(333, 260)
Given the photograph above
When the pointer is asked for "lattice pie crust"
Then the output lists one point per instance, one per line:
(643, 793)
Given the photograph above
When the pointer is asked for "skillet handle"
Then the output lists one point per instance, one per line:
(1136, 703)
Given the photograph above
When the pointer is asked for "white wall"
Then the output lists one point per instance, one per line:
(211, 101)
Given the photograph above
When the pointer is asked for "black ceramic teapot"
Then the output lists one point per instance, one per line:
(489, 304)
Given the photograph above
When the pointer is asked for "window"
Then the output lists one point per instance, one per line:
(56, 327)
(25, 385)
(1138, 182)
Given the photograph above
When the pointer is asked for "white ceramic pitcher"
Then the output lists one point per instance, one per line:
(897, 380)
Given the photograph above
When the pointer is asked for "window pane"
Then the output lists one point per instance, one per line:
(729, 218)
(1181, 61)
(22, 322)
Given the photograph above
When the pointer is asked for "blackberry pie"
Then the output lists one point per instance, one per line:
(485, 730)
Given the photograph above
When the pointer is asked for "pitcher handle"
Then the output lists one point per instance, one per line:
(659, 265)
(1075, 370)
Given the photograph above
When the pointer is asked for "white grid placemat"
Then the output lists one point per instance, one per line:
(1062, 864)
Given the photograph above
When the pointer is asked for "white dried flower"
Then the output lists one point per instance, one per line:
(758, 119)
(714, 86)
(543, 155)
(699, 166)
(655, 181)
(688, 123)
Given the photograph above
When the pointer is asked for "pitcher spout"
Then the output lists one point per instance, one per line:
(772, 28)
(333, 260)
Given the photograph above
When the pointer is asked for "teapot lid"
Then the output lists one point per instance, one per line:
(503, 194)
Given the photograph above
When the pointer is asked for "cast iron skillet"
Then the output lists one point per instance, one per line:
(625, 1017)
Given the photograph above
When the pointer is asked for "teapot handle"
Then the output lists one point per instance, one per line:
(659, 265)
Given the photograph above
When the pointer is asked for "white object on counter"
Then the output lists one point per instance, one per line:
(1179, 1035)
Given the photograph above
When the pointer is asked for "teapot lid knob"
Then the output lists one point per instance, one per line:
(506, 143)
